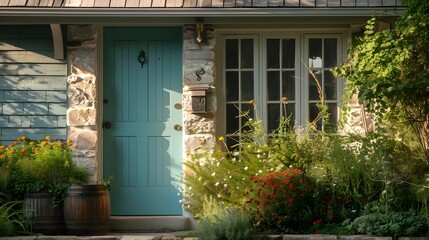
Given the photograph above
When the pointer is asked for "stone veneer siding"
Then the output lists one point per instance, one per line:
(82, 96)
(199, 129)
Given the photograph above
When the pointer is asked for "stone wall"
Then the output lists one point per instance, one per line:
(358, 120)
(82, 95)
(199, 129)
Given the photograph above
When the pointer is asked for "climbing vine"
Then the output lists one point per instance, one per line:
(389, 71)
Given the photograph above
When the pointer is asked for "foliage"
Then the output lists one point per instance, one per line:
(29, 166)
(225, 224)
(12, 220)
(286, 202)
(389, 70)
(222, 175)
(344, 173)
(393, 224)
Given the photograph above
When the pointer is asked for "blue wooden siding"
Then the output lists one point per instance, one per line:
(33, 86)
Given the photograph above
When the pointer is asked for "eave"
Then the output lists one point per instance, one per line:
(28, 15)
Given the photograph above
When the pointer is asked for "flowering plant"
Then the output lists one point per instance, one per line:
(283, 200)
(30, 166)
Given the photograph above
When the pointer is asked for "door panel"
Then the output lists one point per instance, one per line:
(141, 150)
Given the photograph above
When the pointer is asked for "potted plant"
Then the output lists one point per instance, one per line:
(40, 171)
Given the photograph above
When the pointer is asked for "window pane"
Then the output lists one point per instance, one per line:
(273, 86)
(231, 142)
(330, 47)
(231, 52)
(249, 109)
(247, 86)
(247, 53)
(288, 85)
(232, 123)
(313, 91)
(232, 86)
(288, 55)
(290, 113)
(273, 53)
(333, 113)
(314, 111)
(330, 85)
(273, 117)
(315, 53)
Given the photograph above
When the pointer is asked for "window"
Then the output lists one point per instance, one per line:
(279, 81)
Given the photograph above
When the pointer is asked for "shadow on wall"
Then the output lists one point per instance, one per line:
(33, 86)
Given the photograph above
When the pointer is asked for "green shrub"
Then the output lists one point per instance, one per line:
(349, 173)
(393, 224)
(226, 224)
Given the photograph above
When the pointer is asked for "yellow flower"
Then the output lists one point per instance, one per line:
(252, 101)
(47, 138)
(2, 156)
(69, 143)
(75, 146)
(21, 138)
(221, 139)
(31, 143)
(44, 143)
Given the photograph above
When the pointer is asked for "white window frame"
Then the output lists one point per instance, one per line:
(260, 61)
(305, 73)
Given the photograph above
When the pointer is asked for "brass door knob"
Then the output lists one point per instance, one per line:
(177, 127)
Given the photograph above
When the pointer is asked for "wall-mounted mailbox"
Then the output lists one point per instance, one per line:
(199, 97)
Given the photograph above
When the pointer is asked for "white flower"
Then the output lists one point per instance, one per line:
(225, 185)
(245, 168)
(213, 174)
(216, 184)
(384, 191)
(260, 171)
(353, 211)
(217, 164)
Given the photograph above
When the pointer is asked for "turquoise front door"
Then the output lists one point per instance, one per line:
(142, 117)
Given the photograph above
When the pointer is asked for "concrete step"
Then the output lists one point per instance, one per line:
(149, 223)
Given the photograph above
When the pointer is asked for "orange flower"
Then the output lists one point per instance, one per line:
(252, 101)
(47, 138)
(23, 150)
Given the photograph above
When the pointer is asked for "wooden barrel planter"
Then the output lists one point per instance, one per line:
(87, 210)
(45, 218)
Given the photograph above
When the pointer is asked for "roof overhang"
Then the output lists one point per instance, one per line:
(98, 15)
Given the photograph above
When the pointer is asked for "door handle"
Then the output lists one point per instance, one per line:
(107, 125)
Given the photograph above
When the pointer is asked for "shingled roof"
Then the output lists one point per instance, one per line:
(199, 3)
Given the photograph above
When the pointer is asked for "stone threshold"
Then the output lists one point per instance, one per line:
(182, 236)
